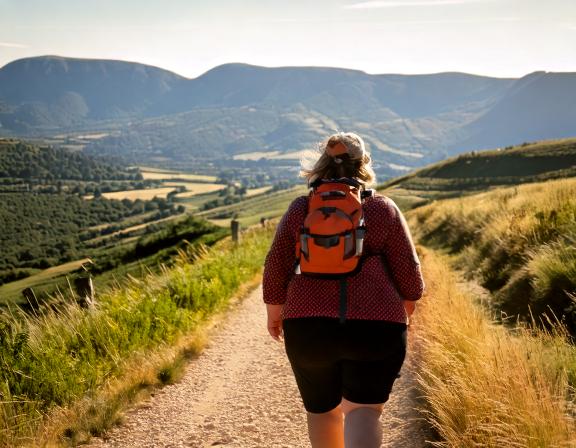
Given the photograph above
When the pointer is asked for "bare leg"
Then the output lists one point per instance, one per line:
(362, 425)
(326, 430)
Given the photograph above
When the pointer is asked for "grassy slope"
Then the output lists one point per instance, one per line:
(517, 241)
(476, 171)
(11, 292)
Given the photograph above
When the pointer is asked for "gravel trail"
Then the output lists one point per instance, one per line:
(240, 392)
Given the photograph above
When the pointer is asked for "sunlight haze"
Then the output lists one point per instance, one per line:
(504, 38)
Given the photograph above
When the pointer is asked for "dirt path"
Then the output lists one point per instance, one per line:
(241, 393)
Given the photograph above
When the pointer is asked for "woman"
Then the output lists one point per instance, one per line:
(345, 369)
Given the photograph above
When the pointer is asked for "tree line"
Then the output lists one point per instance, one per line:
(22, 160)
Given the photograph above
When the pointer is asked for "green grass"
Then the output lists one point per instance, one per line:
(57, 359)
(194, 203)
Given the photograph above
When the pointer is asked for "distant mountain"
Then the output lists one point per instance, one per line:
(52, 91)
(538, 106)
(408, 120)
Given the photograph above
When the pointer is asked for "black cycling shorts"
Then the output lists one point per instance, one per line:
(358, 359)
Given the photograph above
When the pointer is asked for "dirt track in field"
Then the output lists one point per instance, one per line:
(240, 392)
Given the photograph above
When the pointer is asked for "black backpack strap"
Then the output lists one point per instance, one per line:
(342, 180)
(366, 193)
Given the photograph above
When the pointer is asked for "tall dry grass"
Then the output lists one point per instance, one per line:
(517, 241)
(486, 385)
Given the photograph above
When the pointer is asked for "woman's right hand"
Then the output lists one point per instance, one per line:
(275, 321)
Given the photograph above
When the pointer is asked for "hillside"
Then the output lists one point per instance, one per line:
(478, 170)
(149, 114)
(519, 111)
(111, 89)
(59, 208)
(53, 91)
(507, 216)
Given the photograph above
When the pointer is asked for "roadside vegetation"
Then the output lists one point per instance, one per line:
(518, 242)
(485, 384)
(67, 360)
(496, 327)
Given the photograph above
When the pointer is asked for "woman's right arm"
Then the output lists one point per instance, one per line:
(279, 267)
(279, 264)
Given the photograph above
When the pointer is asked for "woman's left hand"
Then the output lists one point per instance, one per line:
(409, 306)
(275, 321)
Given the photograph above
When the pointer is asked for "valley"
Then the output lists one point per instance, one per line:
(244, 117)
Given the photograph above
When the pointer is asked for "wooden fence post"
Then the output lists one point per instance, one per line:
(235, 228)
(85, 290)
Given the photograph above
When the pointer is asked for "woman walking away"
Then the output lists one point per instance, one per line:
(341, 297)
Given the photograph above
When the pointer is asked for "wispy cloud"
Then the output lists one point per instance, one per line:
(12, 45)
(449, 21)
(376, 4)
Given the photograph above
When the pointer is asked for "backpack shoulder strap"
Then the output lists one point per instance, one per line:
(342, 180)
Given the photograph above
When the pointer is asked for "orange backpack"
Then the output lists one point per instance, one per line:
(331, 239)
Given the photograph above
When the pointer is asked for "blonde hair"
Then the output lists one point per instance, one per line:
(356, 162)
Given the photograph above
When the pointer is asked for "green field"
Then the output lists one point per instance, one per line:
(252, 209)
(47, 223)
(45, 279)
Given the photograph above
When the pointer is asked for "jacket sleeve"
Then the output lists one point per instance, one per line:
(402, 259)
(280, 261)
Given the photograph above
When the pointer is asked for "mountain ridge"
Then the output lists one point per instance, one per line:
(236, 108)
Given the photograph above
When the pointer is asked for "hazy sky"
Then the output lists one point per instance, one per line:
(490, 37)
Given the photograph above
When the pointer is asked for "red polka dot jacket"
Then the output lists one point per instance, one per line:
(390, 270)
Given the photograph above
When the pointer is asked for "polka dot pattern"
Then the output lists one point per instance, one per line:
(390, 270)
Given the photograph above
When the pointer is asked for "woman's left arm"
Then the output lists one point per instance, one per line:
(403, 260)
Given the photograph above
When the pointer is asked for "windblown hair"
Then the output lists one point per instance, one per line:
(356, 162)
